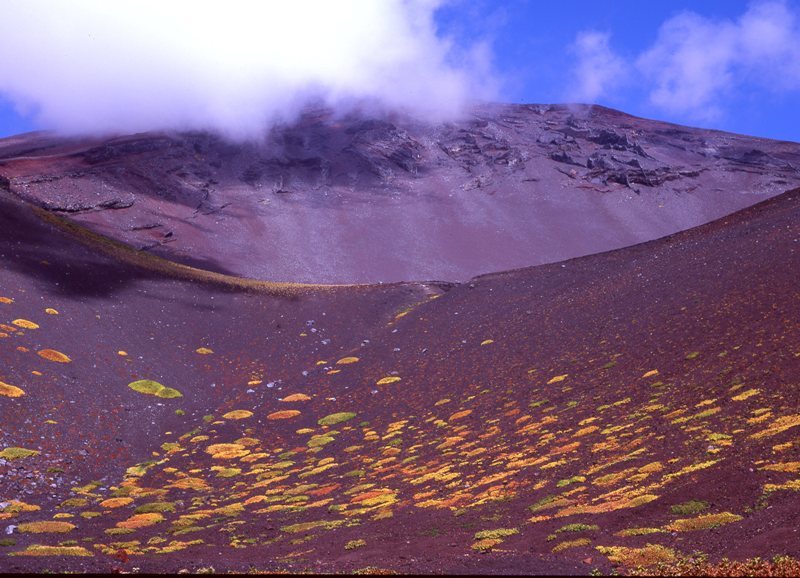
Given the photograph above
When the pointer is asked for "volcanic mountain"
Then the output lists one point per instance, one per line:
(621, 409)
(332, 199)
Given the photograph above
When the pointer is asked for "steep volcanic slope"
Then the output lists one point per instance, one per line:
(625, 407)
(344, 200)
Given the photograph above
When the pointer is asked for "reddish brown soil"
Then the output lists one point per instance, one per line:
(348, 200)
(518, 389)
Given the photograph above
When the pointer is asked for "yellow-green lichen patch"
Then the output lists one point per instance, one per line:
(353, 544)
(296, 397)
(387, 380)
(53, 355)
(486, 544)
(790, 467)
(703, 522)
(150, 387)
(459, 414)
(494, 534)
(639, 532)
(689, 508)
(15, 453)
(336, 418)
(283, 414)
(7, 390)
(46, 527)
(204, 351)
(347, 360)
(39, 550)
(238, 414)
(25, 324)
(566, 545)
(779, 425)
(140, 521)
(309, 526)
(155, 507)
(485, 540)
(318, 441)
(227, 451)
(650, 555)
(16, 507)
(746, 394)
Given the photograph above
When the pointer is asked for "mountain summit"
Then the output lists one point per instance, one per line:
(362, 200)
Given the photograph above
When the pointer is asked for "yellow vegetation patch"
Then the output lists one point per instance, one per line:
(790, 485)
(487, 341)
(571, 544)
(51, 311)
(792, 467)
(46, 527)
(650, 373)
(53, 355)
(17, 507)
(347, 360)
(745, 394)
(204, 351)
(688, 470)
(39, 550)
(779, 425)
(557, 378)
(639, 532)
(651, 468)
(387, 380)
(336, 418)
(586, 431)
(141, 521)
(296, 397)
(227, 451)
(238, 414)
(14, 453)
(7, 390)
(25, 324)
(486, 544)
(112, 503)
(703, 522)
(283, 414)
(648, 556)
(459, 414)
(309, 526)
(608, 506)
(6, 300)
(150, 387)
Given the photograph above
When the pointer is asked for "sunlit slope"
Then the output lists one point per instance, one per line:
(626, 407)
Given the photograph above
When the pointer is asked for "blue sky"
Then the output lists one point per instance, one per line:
(533, 49)
(727, 64)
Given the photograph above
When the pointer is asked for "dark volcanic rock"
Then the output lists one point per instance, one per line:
(342, 200)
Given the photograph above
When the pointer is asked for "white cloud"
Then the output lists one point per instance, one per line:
(696, 62)
(234, 66)
(598, 71)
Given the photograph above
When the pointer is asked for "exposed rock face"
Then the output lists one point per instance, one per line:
(366, 200)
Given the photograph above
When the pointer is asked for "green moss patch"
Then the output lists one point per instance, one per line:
(335, 418)
(15, 453)
(150, 387)
(689, 508)
(155, 507)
